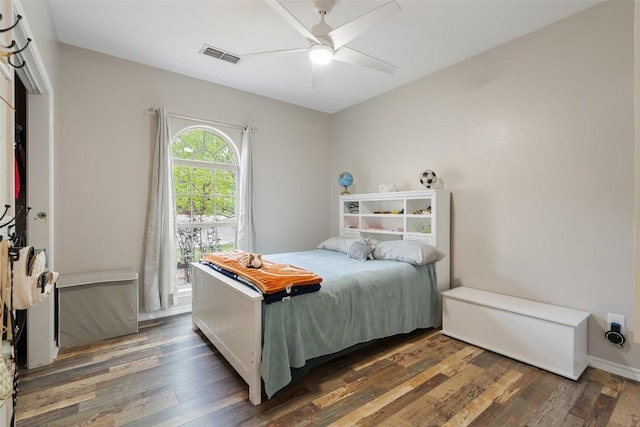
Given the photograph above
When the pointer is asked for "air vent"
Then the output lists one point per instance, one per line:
(219, 54)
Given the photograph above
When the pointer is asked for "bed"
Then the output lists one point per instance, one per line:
(359, 301)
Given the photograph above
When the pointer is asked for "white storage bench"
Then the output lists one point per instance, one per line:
(547, 336)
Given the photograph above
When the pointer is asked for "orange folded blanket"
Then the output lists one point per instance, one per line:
(270, 278)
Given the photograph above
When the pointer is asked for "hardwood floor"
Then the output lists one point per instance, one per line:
(168, 375)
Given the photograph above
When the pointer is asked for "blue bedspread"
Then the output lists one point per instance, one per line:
(359, 301)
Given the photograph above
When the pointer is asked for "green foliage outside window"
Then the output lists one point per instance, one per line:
(202, 190)
(204, 193)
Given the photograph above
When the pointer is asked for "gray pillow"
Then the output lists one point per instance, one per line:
(338, 244)
(360, 250)
(411, 251)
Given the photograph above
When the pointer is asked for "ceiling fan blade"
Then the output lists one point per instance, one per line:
(292, 20)
(351, 56)
(280, 51)
(349, 31)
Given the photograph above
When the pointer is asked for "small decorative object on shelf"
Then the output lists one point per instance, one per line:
(345, 180)
(387, 188)
(426, 211)
(428, 178)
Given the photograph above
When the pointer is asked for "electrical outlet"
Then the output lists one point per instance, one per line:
(615, 318)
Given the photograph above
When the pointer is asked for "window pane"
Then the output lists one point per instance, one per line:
(184, 146)
(181, 177)
(224, 207)
(193, 243)
(189, 184)
(203, 181)
(203, 195)
(226, 182)
(203, 145)
(183, 206)
(204, 156)
(215, 149)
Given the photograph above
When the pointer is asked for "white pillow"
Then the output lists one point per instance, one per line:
(338, 244)
(411, 251)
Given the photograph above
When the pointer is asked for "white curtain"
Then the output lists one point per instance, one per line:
(246, 232)
(160, 254)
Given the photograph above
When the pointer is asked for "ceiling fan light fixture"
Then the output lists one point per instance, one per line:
(320, 54)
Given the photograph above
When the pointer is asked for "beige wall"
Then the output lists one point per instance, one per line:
(105, 148)
(535, 139)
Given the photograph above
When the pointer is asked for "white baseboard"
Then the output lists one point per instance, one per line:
(164, 313)
(614, 368)
(183, 306)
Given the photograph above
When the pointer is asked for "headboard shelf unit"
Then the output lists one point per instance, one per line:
(422, 215)
(382, 222)
(381, 207)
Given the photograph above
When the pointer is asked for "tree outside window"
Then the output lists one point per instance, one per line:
(205, 172)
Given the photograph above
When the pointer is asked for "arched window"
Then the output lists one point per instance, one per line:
(205, 179)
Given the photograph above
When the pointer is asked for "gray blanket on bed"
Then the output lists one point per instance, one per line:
(359, 301)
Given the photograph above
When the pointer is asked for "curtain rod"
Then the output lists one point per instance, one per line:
(151, 111)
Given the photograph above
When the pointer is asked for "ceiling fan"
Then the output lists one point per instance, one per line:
(327, 44)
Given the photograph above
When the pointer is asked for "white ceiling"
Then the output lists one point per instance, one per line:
(425, 36)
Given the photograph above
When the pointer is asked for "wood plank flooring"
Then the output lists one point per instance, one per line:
(168, 375)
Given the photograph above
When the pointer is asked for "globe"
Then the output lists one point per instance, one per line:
(345, 179)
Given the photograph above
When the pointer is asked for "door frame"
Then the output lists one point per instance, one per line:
(42, 348)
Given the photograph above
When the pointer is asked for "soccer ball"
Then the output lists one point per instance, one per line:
(428, 178)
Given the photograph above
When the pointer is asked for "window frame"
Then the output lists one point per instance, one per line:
(233, 224)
